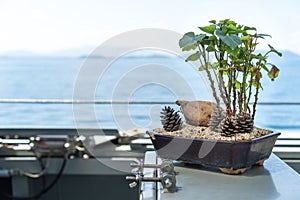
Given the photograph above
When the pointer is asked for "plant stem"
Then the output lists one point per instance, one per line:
(255, 101)
(223, 91)
(230, 86)
(240, 100)
(250, 89)
(234, 93)
(212, 84)
(224, 94)
(244, 88)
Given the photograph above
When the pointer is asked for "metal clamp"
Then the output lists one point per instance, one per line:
(165, 166)
(167, 175)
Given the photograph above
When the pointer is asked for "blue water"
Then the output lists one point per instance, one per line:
(154, 78)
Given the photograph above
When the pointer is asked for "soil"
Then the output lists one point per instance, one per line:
(190, 131)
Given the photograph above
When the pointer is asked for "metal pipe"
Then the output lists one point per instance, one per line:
(146, 179)
(74, 101)
(79, 101)
(144, 165)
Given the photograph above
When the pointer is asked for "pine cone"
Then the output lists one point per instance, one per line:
(170, 119)
(242, 123)
(228, 127)
(215, 121)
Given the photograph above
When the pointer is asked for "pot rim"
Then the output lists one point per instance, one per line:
(274, 133)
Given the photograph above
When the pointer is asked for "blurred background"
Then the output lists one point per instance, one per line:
(44, 44)
(74, 113)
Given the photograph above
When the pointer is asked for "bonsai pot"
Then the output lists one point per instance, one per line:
(232, 157)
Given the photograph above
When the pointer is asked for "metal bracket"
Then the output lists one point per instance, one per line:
(167, 175)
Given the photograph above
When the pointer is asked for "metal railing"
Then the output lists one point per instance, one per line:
(87, 101)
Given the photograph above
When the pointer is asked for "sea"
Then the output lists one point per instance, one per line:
(125, 93)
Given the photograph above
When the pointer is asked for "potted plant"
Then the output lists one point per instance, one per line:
(222, 133)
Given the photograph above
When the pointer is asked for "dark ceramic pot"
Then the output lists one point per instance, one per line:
(231, 157)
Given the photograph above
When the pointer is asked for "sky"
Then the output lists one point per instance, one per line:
(47, 26)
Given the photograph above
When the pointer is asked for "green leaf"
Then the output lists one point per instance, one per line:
(215, 65)
(206, 41)
(193, 57)
(208, 29)
(257, 56)
(201, 68)
(271, 47)
(264, 67)
(273, 73)
(231, 27)
(220, 33)
(232, 40)
(189, 39)
(224, 63)
(188, 48)
(274, 50)
(212, 38)
(199, 37)
(212, 21)
(210, 48)
(262, 35)
(237, 84)
(221, 22)
(246, 28)
(257, 85)
(238, 61)
(245, 38)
